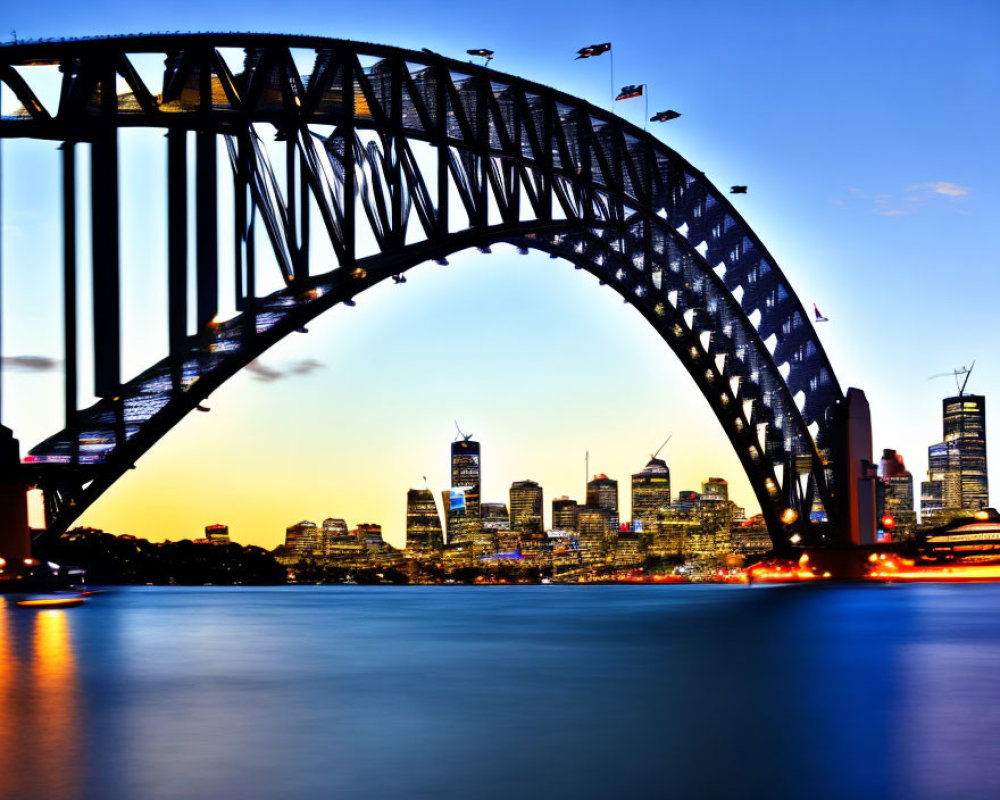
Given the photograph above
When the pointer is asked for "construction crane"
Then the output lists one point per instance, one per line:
(956, 373)
(465, 436)
(658, 449)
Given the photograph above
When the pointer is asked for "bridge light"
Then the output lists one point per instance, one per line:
(359, 273)
(795, 538)
(982, 514)
(789, 515)
(3, 563)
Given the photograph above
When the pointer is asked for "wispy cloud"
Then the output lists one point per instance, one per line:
(910, 200)
(262, 372)
(940, 187)
(29, 363)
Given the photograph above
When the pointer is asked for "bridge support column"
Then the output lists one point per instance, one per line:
(856, 485)
(15, 538)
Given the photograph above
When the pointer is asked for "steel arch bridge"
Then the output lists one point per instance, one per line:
(390, 146)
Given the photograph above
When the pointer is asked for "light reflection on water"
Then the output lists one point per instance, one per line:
(299, 692)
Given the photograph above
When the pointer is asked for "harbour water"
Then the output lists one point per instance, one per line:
(497, 692)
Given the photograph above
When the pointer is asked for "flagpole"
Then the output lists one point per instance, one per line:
(611, 50)
(645, 117)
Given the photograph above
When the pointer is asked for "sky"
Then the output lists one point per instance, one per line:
(866, 132)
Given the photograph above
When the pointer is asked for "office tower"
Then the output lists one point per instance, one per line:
(965, 424)
(894, 496)
(370, 533)
(495, 517)
(526, 508)
(957, 470)
(650, 492)
(602, 492)
(595, 528)
(423, 525)
(464, 513)
(714, 506)
(715, 488)
(564, 514)
(303, 538)
(217, 534)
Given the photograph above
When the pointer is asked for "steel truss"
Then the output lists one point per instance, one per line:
(529, 165)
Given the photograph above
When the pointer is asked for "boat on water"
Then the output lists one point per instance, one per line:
(51, 602)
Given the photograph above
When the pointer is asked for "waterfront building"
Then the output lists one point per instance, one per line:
(957, 469)
(495, 517)
(303, 539)
(715, 510)
(526, 504)
(650, 492)
(370, 533)
(602, 492)
(894, 496)
(423, 525)
(564, 514)
(217, 534)
(464, 513)
(749, 537)
(595, 531)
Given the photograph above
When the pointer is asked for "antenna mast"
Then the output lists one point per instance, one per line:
(658, 449)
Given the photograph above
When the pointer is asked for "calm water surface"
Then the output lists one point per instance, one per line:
(490, 692)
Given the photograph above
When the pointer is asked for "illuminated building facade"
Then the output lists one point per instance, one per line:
(423, 525)
(894, 497)
(957, 478)
(595, 529)
(564, 514)
(650, 492)
(526, 504)
(495, 517)
(303, 538)
(370, 533)
(965, 424)
(464, 513)
(217, 534)
(602, 492)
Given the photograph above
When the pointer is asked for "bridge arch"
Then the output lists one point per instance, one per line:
(383, 144)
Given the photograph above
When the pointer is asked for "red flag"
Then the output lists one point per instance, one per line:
(631, 91)
(593, 50)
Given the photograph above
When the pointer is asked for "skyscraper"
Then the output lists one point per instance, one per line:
(957, 471)
(650, 492)
(894, 495)
(464, 513)
(423, 525)
(602, 492)
(495, 517)
(526, 508)
(564, 514)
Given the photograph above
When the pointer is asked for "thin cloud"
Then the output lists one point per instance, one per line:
(912, 199)
(944, 188)
(262, 372)
(29, 363)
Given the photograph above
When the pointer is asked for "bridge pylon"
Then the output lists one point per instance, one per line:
(15, 537)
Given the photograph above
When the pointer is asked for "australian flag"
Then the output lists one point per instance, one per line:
(630, 91)
(593, 50)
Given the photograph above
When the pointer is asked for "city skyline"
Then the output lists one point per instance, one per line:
(566, 347)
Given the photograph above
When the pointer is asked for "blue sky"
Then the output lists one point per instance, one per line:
(865, 131)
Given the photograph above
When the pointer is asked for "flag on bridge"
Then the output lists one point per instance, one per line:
(664, 116)
(593, 50)
(631, 91)
(482, 52)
